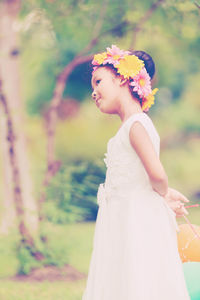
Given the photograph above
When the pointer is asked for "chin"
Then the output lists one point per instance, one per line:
(102, 110)
(106, 111)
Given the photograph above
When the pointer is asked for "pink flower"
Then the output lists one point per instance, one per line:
(114, 54)
(94, 69)
(142, 83)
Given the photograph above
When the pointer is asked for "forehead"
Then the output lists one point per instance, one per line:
(100, 72)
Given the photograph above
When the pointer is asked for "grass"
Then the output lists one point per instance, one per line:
(41, 290)
(77, 241)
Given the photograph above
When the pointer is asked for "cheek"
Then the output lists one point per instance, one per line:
(109, 103)
(111, 92)
(113, 95)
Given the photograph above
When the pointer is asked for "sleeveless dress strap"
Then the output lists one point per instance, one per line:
(141, 117)
(148, 126)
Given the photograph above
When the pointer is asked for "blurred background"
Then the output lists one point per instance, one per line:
(53, 138)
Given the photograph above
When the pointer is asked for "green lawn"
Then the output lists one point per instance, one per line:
(77, 240)
(41, 291)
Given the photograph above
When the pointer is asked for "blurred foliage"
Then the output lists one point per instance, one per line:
(51, 34)
(54, 32)
(53, 255)
(71, 196)
(81, 144)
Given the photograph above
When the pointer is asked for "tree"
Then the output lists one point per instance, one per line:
(10, 74)
(26, 241)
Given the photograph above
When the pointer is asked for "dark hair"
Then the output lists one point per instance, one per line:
(149, 65)
(148, 61)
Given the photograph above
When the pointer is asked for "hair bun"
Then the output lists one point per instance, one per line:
(148, 61)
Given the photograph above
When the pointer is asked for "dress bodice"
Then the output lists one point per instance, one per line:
(125, 170)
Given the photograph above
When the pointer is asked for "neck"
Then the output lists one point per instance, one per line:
(128, 106)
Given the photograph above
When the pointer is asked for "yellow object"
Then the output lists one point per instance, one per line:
(189, 243)
(149, 100)
(99, 58)
(129, 66)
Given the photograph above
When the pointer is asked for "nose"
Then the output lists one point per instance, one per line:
(94, 95)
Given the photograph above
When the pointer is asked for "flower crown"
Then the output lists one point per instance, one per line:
(130, 67)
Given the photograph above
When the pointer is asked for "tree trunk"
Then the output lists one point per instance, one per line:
(8, 215)
(26, 238)
(9, 68)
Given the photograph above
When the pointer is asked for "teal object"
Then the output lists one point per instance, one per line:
(192, 277)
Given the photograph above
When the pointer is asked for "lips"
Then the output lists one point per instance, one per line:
(97, 101)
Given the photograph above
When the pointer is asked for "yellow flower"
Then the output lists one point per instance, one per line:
(149, 100)
(150, 97)
(129, 66)
(154, 91)
(145, 105)
(99, 58)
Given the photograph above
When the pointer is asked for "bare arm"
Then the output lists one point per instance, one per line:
(143, 146)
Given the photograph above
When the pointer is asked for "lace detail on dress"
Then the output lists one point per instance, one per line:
(101, 195)
(106, 159)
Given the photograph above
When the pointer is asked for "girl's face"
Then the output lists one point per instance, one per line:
(105, 90)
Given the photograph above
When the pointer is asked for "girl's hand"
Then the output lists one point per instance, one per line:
(181, 211)
(176, 195)
(174, 200)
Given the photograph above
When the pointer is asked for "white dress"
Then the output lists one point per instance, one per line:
(135, 254)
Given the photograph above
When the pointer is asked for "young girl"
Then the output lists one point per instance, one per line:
(135, 254)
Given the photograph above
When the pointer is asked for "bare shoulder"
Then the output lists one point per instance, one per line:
(142, 144)
(144, 147)
(139, 135)
(141, 131)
